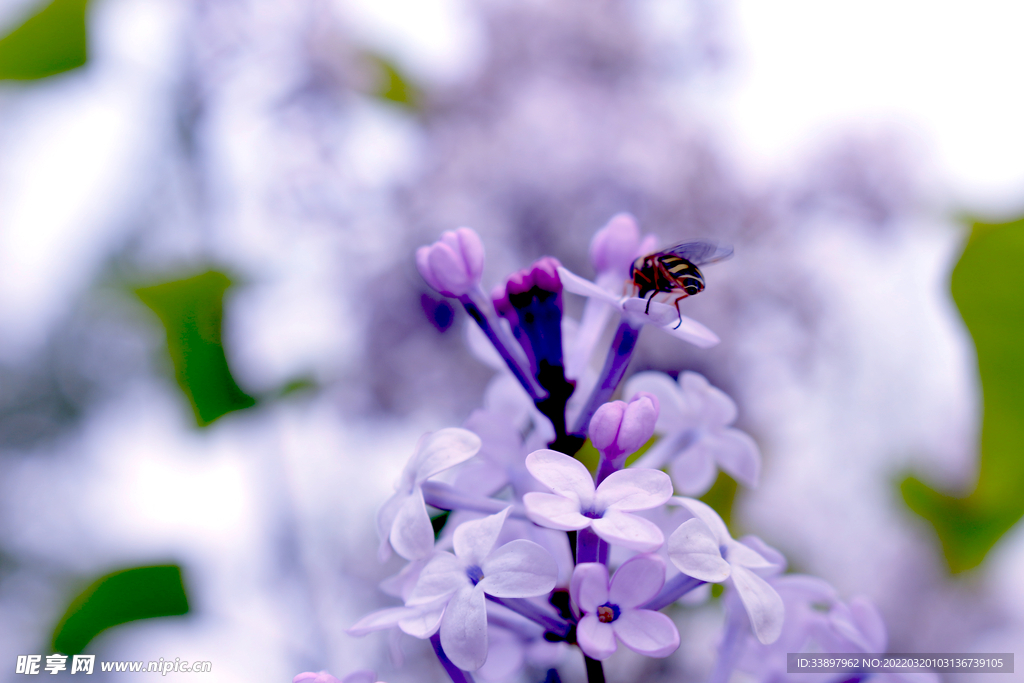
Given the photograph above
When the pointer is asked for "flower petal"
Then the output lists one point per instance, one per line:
(689, 330)
(629, 531)
(693, 549)
(693, 471)
(464, 629)
(637, 580)
(589, 586)
(443, 449)
(564, 475)
(474, 540)
(412, 535)
(519, 569)
(706, 514)
(382, 619)
(776, 560)
(505, 655)
(424, 624)
(633, 489)
(737, 454)
(711, 406)
(577, 285)
(672, 411)
(647, 632)
(385, 521)
(596, 639)
(442, 576)
(555, 512)
(763, 604)
(737, 553)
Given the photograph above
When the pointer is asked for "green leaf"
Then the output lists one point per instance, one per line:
(721, 496)
(392, 85)
(51, 41)
(988, 287)
(117, 598)
(192, 311)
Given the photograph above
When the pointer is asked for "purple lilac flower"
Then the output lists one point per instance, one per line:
(459, 582)
(576, 503)
(696, 437)
(453, 266)
(613, 610)
(702, 548)
(612, 252)
(403, 522)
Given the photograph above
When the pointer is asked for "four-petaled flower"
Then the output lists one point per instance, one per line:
(613, 610)
(403, 520)
(702, 548)
(455, 585)
(577, 504)
(694, 423)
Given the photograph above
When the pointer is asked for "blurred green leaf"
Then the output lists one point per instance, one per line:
(392, 84)
(117, 598)
(721, 496)
(988, 287)
(191, 311)
(51, 41)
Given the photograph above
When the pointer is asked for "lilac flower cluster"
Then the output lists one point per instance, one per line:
(540, 558)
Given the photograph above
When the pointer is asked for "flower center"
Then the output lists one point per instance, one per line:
(474, 574)
(592, 514)
(607, 613)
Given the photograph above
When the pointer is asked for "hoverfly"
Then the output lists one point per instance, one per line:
(674, 271)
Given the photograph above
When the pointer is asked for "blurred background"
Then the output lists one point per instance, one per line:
(216, 353)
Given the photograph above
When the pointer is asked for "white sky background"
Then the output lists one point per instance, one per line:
(944, 74)
(947, 73)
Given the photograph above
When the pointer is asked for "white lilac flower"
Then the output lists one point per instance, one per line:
(403, 521)
(614, 610)
(455, 585)
(576, 503)
(694, 423)
(702, 548)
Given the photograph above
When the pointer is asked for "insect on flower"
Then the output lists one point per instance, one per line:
(674, 271)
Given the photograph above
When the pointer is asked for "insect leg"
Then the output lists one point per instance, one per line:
(649, 300)
(678, 299)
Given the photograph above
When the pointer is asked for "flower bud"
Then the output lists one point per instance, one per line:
(452, 265)
(614, 246)
(619, 428)
(543, 274)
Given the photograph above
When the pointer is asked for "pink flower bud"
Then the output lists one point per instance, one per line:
(614, 246)
(453, 264)
(619, 428)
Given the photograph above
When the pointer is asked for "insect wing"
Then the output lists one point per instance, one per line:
(699, 252)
